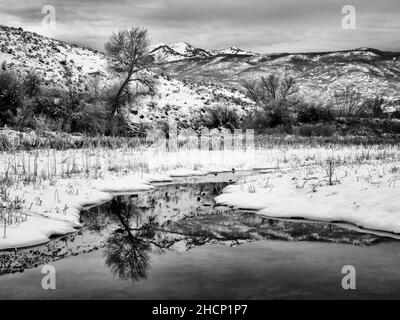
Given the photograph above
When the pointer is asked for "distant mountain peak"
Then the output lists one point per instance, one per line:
(169, 52)
(235, 50)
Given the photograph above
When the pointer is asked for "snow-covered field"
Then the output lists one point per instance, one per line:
(42, 192)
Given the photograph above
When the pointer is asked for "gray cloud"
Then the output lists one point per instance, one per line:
(259, 25)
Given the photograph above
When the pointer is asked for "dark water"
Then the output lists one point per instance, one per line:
(174, 243)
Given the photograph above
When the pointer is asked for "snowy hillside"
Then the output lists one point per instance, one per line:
(370, 71)
(181, 100)
(59, 62)
(54, 60)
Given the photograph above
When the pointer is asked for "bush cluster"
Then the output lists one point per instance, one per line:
(315, 114)
(25, 103)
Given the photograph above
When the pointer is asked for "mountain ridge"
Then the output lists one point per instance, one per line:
(168, 52)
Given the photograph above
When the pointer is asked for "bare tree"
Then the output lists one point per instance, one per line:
(130, 60)
(274, 96)
(273, 89)
(348, 102)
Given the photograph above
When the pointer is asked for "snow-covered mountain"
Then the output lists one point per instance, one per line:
(320, 74)
(233, 51)
(163, 52)
(372, 72)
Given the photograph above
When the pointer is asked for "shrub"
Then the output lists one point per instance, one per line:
(315, 114)
(325, 131)
(278, 115)
(49, 103)
(24, 104)
(305, 130)
(93, 89)
(31, 84)
(142, 129)
(375, 106)
(284, 129)
(10, 97)
(388, 126)
(271, 116)
(396, 115)
(41, 123)
(118, 126)
(91, 120)
(309, 130)
(5, 143)
(275, 97)
(217, 117)
(348, 102)
(223, 116)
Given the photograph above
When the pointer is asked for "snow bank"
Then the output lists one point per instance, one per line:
(55, 210)
(182, 172)
(124, 185)
(50, 211)
(365, 196)
(35, 231)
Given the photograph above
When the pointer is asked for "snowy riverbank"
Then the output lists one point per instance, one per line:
(55, 209)
(364, 195)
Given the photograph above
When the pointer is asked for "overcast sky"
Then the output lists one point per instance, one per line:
(258, 25)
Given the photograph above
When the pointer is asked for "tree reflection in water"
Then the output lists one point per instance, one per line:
(127, 248)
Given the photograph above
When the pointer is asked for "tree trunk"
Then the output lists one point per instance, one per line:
(115, 105)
